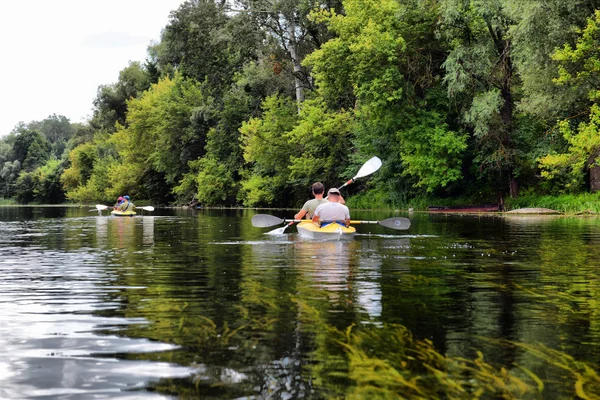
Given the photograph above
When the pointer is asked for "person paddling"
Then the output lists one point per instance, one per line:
(332, 210)
(308, 209)
(126, 205)
(119, 201)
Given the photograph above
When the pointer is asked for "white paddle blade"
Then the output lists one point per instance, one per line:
(278, 231)
(101, 207)
(147, 208)
(266, 220)
(369, 167)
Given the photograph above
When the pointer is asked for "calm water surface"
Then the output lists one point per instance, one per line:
(186, 303)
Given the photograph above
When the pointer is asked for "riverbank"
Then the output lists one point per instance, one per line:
(585, 203)
(581, 204)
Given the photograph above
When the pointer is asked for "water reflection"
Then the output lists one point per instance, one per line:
(54, 341)
(121, 232)
(202, 304)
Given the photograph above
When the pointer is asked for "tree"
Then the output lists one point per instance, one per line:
(480, 75)
(542, 26)
(203, 42)
(110, 104)
(579, 67)
(82, 160)
(30, 148)
(10, 172)
(386, 64)
(166, 129)
(57, 130)
(267, 152)
(48, 188)
(297, 35)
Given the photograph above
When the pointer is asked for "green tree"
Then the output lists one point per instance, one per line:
(386, 64)
(579, 67)
(320, 141)
(267, 152)
(210, 181)
(9, 173)
(480, 72)
(30, 148)
(296, 34)
(58, 130)
(82, 160)
(24, 187)
(110, 104)
(240, 103)
(48, 188)
(166, 130)
(203, 42)
(542, 26)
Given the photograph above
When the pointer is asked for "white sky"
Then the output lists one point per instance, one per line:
(55, 53)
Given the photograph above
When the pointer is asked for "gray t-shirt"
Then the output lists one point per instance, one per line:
(311, 205)
(332, 212)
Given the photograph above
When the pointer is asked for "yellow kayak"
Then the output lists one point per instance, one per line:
(118, 213)
(333, 231)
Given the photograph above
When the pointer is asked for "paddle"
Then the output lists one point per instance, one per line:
(368, 168)
(101, 207)
(266, 220)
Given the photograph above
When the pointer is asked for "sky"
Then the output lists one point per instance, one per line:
(55, 53)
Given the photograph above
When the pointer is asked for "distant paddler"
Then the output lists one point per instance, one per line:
(126, 204)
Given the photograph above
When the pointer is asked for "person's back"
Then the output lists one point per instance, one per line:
(308, 209)
(332, 210)
(311, 205)
(126, 205)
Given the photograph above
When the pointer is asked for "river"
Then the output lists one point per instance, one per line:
(182, 303)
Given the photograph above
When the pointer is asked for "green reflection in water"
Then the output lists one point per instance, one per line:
(460, 308)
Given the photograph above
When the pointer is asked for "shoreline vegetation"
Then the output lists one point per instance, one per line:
(568, 205)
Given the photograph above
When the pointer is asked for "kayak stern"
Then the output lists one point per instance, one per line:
(333, 231)
(118, 213)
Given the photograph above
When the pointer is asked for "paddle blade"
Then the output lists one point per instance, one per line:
(278, 231)
(265, 220)
(369, 167)
(147, 208)
(101, 207)
(397, 223)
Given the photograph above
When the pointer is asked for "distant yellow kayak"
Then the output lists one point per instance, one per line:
(333, 231)
(118, 213)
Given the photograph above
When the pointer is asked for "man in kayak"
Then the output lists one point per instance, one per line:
(126, 205)
(308, 209)
(332, 210)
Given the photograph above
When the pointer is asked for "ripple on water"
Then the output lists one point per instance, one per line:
(51, 342)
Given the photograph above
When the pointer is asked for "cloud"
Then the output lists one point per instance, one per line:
(112, 40)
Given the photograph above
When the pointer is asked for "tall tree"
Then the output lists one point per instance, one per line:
(386, 58)
(57, 129)
(9, 173)
(481, 77)
(542, 26)
(579, 67)
(166, 129)
(202, 41)
(110, 104)
(296, 35)
(30, 148)
(267, 152)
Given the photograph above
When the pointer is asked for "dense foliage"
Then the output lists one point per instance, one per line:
(249, 102)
